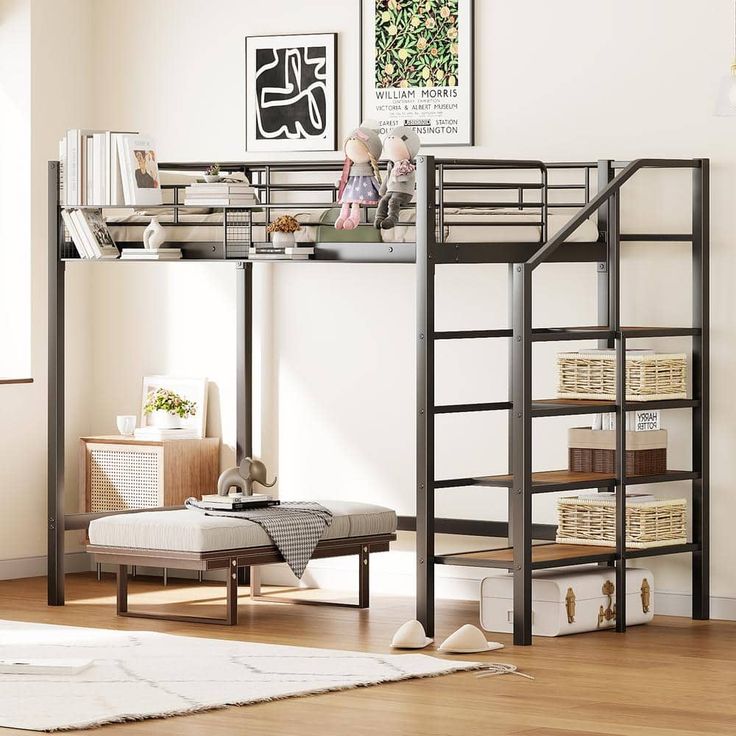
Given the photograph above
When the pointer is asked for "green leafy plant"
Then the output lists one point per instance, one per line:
(416, 43)
(284, 224)
(213, 170)
(162, 399)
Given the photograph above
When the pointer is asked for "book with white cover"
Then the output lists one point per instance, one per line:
(158, 434)
(139, 169)
(116, 196)
(17, 666)
(151, 254)
(93, 228)
(80, 243)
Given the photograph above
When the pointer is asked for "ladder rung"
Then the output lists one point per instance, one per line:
(460, 408)
(471, 334)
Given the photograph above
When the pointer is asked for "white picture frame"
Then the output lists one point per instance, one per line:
(193, 389)
(291, 92)
(139, 170)
(436, 39)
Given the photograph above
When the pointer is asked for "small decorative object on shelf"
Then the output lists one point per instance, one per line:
(212, 174)
(189, 415)
(126, 424)
(594, 451)
(650, 376)
(243, 477)
(650, 521)
(282, 230)
(400, 147)
(166, 408)
(361, 179)
(154, 236)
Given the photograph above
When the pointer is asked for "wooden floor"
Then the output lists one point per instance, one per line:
(670, 678)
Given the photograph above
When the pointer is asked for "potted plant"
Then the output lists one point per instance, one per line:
(283, 229)
(212, 174)
(167, 408)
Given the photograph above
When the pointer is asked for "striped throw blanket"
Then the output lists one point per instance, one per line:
(295, 527)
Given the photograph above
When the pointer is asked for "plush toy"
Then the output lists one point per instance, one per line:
(400, 147)
(361, 179)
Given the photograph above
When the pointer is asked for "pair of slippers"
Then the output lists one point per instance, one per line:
(467, 639)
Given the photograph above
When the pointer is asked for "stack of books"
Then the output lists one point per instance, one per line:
(220, 194)
(151, 254)
(646, 420)
(269, 252)
(91, 167)
(89, 233)
(156, 433)
(237, 502)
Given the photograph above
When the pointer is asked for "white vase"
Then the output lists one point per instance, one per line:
(283, 240)
(164, 420)
(154, 236)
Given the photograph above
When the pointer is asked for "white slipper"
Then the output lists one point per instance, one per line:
(410, 635)
(468, 639)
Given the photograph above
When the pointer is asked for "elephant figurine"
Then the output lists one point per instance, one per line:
(250, 471)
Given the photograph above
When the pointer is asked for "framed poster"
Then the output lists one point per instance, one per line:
(417, 68)
(291, 92)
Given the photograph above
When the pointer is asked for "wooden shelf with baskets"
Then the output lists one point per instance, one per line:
(549, 555)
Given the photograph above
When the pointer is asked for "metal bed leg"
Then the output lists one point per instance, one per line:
(122, 589)
(364, 578)
(166, 577)
(701, 387)
(521, 516)
(99, 571)
(425, 284)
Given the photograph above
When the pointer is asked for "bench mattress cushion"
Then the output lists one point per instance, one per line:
(190, 531)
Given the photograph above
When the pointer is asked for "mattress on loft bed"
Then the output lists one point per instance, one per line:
(126, 228)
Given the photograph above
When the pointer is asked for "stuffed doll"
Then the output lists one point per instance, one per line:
(361, 179)
(400, 147)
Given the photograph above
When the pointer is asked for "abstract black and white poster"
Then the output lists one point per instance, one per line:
(290, 92)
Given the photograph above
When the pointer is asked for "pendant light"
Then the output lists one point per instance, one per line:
(726, 104)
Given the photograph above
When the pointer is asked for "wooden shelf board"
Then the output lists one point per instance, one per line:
(556, 555)
(561, 480)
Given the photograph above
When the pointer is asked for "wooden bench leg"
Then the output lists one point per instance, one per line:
(122, 586)
(364, 577)
(363, 554)
(231, 610)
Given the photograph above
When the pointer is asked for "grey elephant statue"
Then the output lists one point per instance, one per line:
(242, 478)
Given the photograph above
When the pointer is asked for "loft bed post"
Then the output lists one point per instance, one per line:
(425, 408)
(520, 521)
(510, 430)
(55, 468)
(244, 359)
(701, 391)
(605, 177)
(244, 372)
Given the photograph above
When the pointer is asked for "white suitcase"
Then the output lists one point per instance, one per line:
(569, 602)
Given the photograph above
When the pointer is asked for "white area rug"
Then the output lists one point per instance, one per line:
(143, 674)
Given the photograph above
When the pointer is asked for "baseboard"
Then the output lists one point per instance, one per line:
(457, 587)
(35, 567)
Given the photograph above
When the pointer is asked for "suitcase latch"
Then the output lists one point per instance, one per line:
(570, 605)
(609, 612)
(646, 596)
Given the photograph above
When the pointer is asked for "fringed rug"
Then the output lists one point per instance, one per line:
(142, 674)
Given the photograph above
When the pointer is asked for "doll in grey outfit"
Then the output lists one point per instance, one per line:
(400, 147)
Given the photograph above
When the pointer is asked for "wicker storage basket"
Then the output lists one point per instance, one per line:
(648, 377)
(594, 451)
(648, 524)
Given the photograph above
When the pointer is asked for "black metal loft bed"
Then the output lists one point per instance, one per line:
(482, 198)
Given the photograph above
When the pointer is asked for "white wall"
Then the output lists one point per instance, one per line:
(59, 96)
(558, 81)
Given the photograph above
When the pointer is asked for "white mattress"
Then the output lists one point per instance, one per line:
(129, 227)
(187, 530)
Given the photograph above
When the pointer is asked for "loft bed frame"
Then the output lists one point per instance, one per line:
(526, 185)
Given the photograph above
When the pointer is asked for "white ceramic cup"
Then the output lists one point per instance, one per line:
(126, 424)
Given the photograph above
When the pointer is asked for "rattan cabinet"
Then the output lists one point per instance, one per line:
(119, 473)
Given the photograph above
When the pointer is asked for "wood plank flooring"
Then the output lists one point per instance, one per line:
(674, 677)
